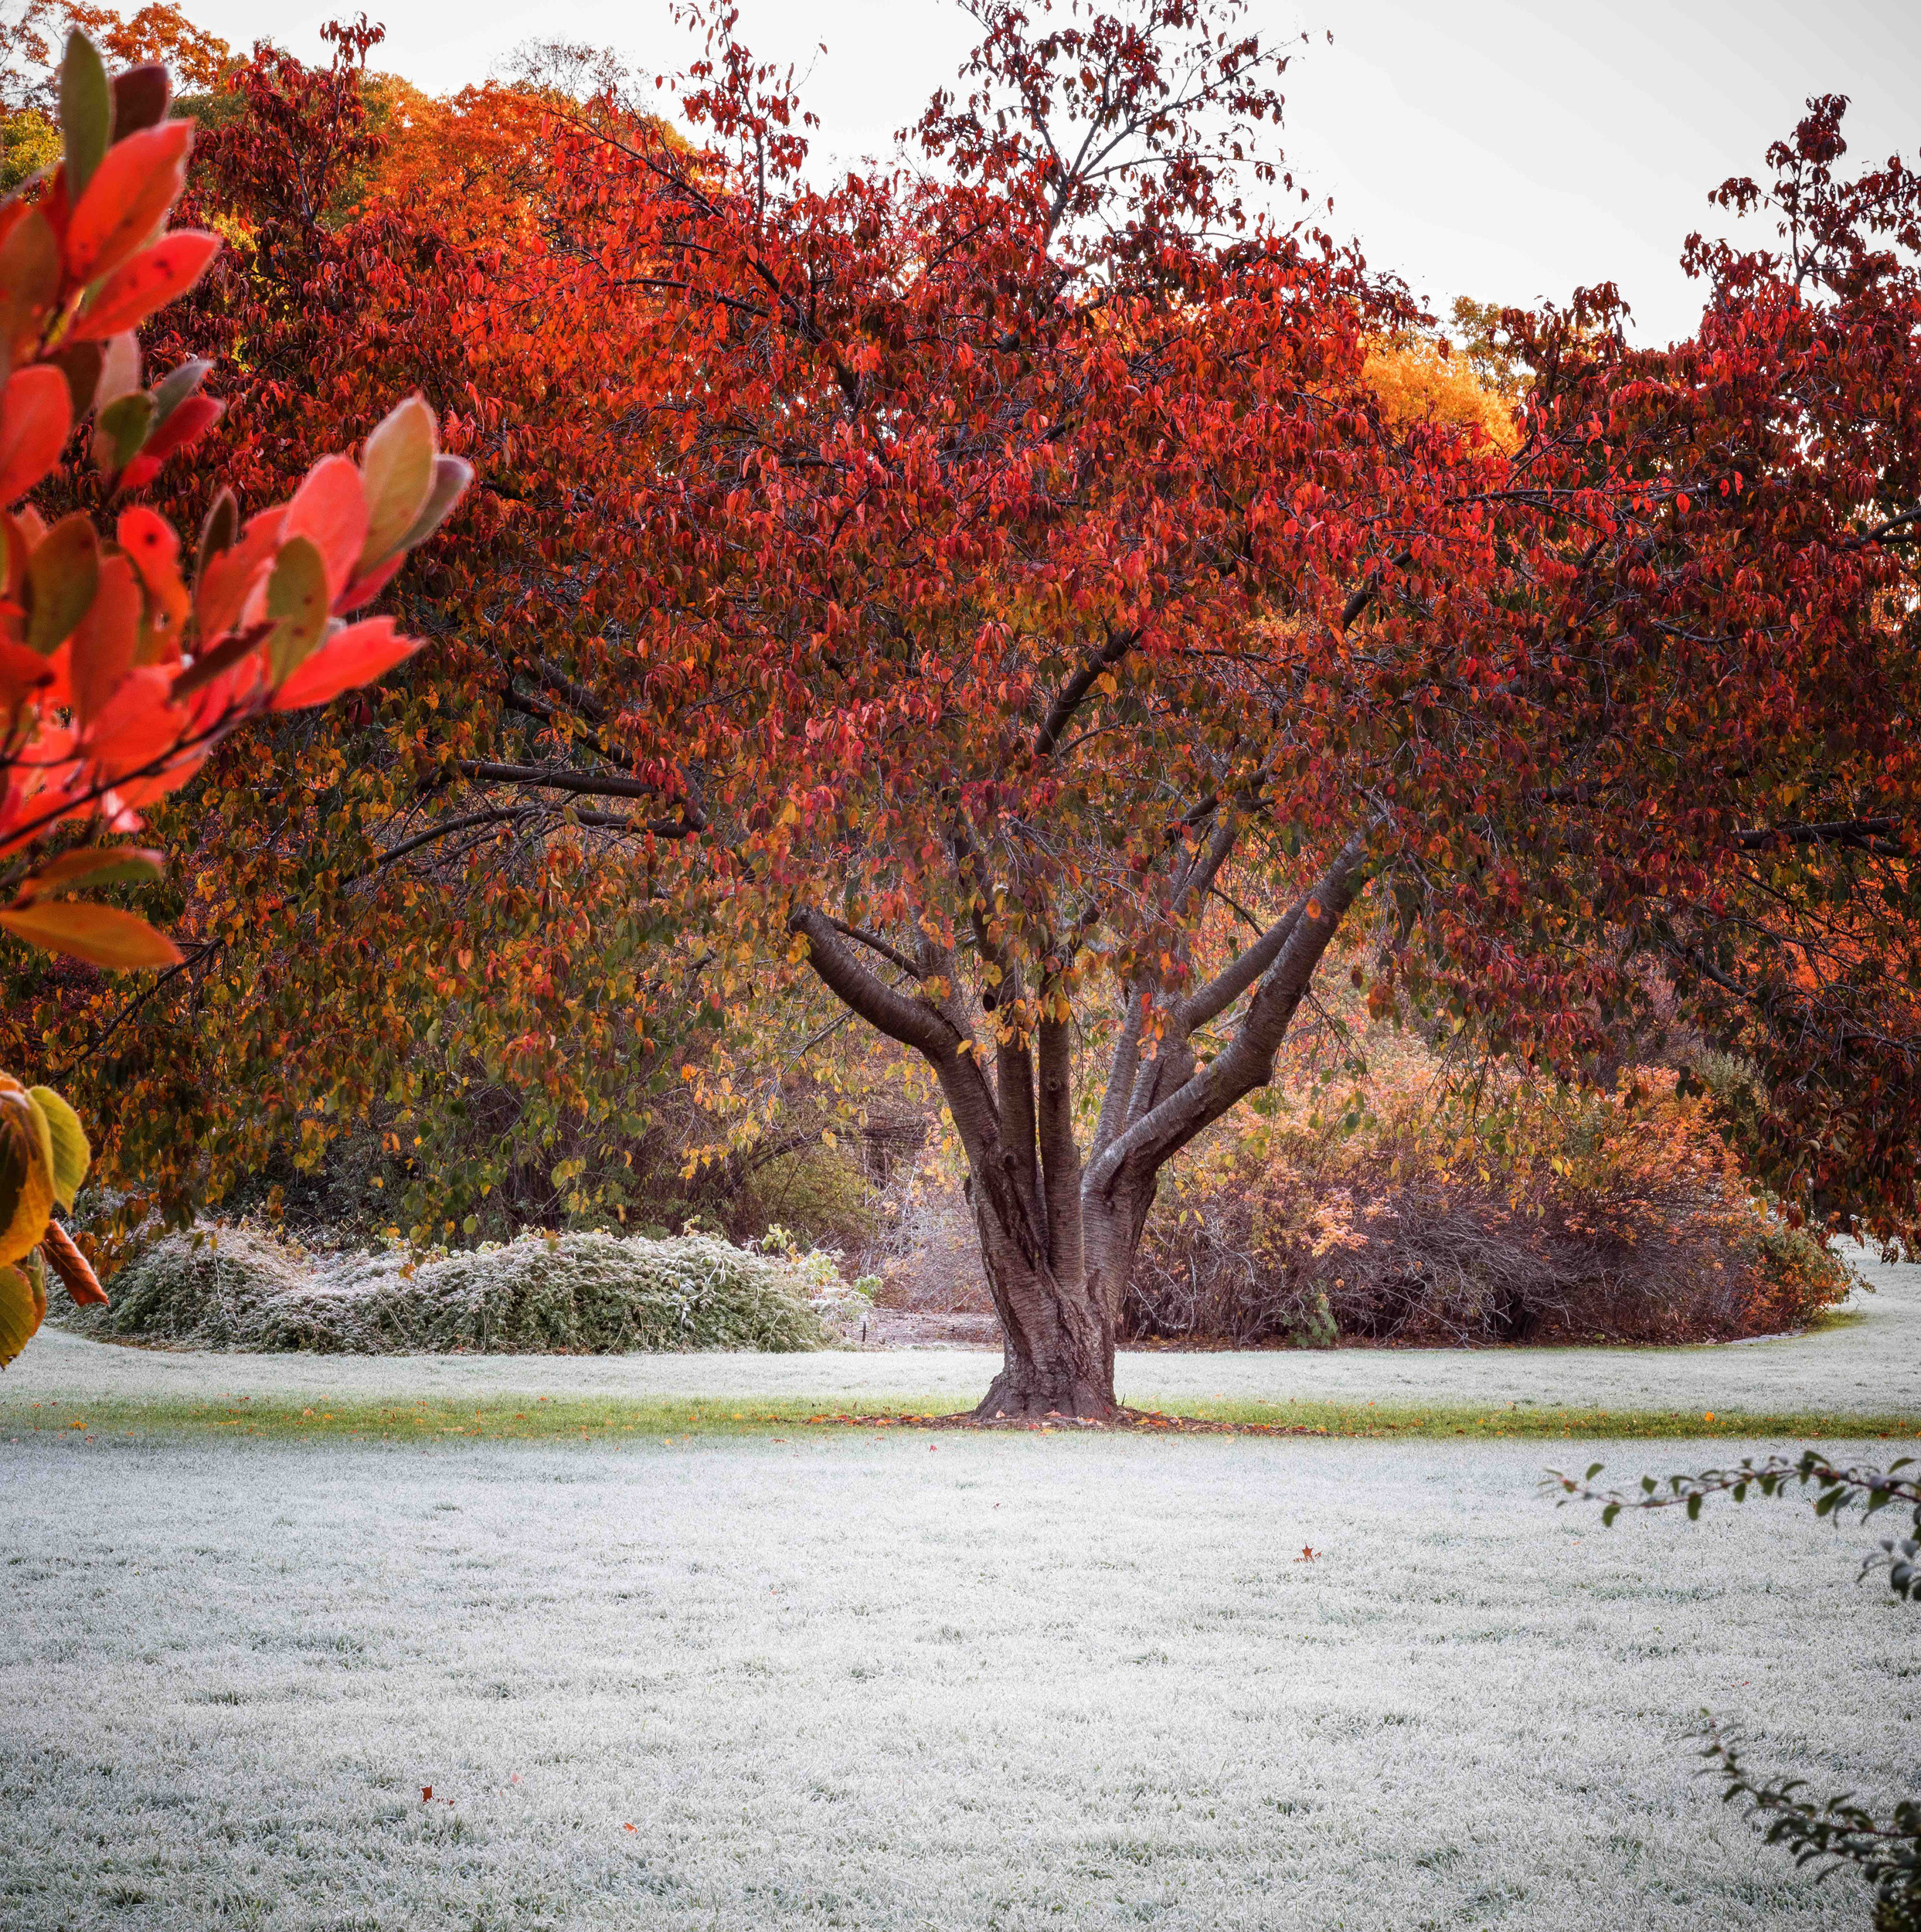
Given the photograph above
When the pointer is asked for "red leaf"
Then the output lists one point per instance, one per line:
(153, 545)
(138, 727)
(355, 656)
(330, 510)
(221, 595)
(362, 589)
(154, 277)
(22, 670)
(34, 418)
(102, 649)
(186, 424)
(138, 181)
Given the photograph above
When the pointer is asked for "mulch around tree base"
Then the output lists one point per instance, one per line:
(1129, 1421)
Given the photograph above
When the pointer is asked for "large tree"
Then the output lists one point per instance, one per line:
(1026, 592)
(1019, 590)
(1028, 611)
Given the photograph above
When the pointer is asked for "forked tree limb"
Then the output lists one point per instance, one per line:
(1247, 1061)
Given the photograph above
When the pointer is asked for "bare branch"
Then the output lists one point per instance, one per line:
(591, 784)
(875, 943)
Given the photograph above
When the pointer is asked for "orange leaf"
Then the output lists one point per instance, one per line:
(91, 865)
(34, 418)
(128, 198)
(101, 935)
(81, 1282)
(355, 656)
(154, 277)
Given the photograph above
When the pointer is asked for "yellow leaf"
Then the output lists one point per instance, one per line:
(71, 1155)
(23, 1306)
(26, 1173)
(101, 935)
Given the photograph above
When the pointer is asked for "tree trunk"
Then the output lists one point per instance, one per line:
(1058, 1335)
(1058, 1239)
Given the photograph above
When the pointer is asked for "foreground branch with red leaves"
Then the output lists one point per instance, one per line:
(1018, 603)
(117, 679)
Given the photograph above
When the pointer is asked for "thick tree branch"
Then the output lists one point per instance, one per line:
(1880, 836)
(1067, 700)
(1121, 1070)
(590, 784)
(912, 1022)
(1248, 1060)
(1364, 592)
(1209, 1002)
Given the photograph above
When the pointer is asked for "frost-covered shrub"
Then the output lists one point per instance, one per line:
(242, 1288)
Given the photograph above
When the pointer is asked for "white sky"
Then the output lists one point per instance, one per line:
(1508, 149)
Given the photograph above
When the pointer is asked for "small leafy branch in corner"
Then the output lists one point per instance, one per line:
(1837, 1829)
(1888, 1854)
(1836, 1490)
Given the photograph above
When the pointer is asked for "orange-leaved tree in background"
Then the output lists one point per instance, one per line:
(119, 672)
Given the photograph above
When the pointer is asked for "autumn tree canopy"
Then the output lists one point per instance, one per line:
(1028, 611)
(1066, 613)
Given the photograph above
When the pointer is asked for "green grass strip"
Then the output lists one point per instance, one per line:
(587, 1419)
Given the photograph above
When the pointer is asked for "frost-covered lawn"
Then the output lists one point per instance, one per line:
(884, 1680)
(889, 1679)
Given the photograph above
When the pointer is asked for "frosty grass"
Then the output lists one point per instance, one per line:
(897, 1680)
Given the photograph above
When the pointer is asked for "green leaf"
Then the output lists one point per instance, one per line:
(62, 576)
(397, 472)
(451, 476)
(218, 531)
(169, 394)
(296, 599)
(124, 426)
(73, 1155)
(29, 275)
(87, 113)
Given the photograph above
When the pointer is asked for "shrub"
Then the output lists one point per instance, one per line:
(1517, 1211)
(242, 1288)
